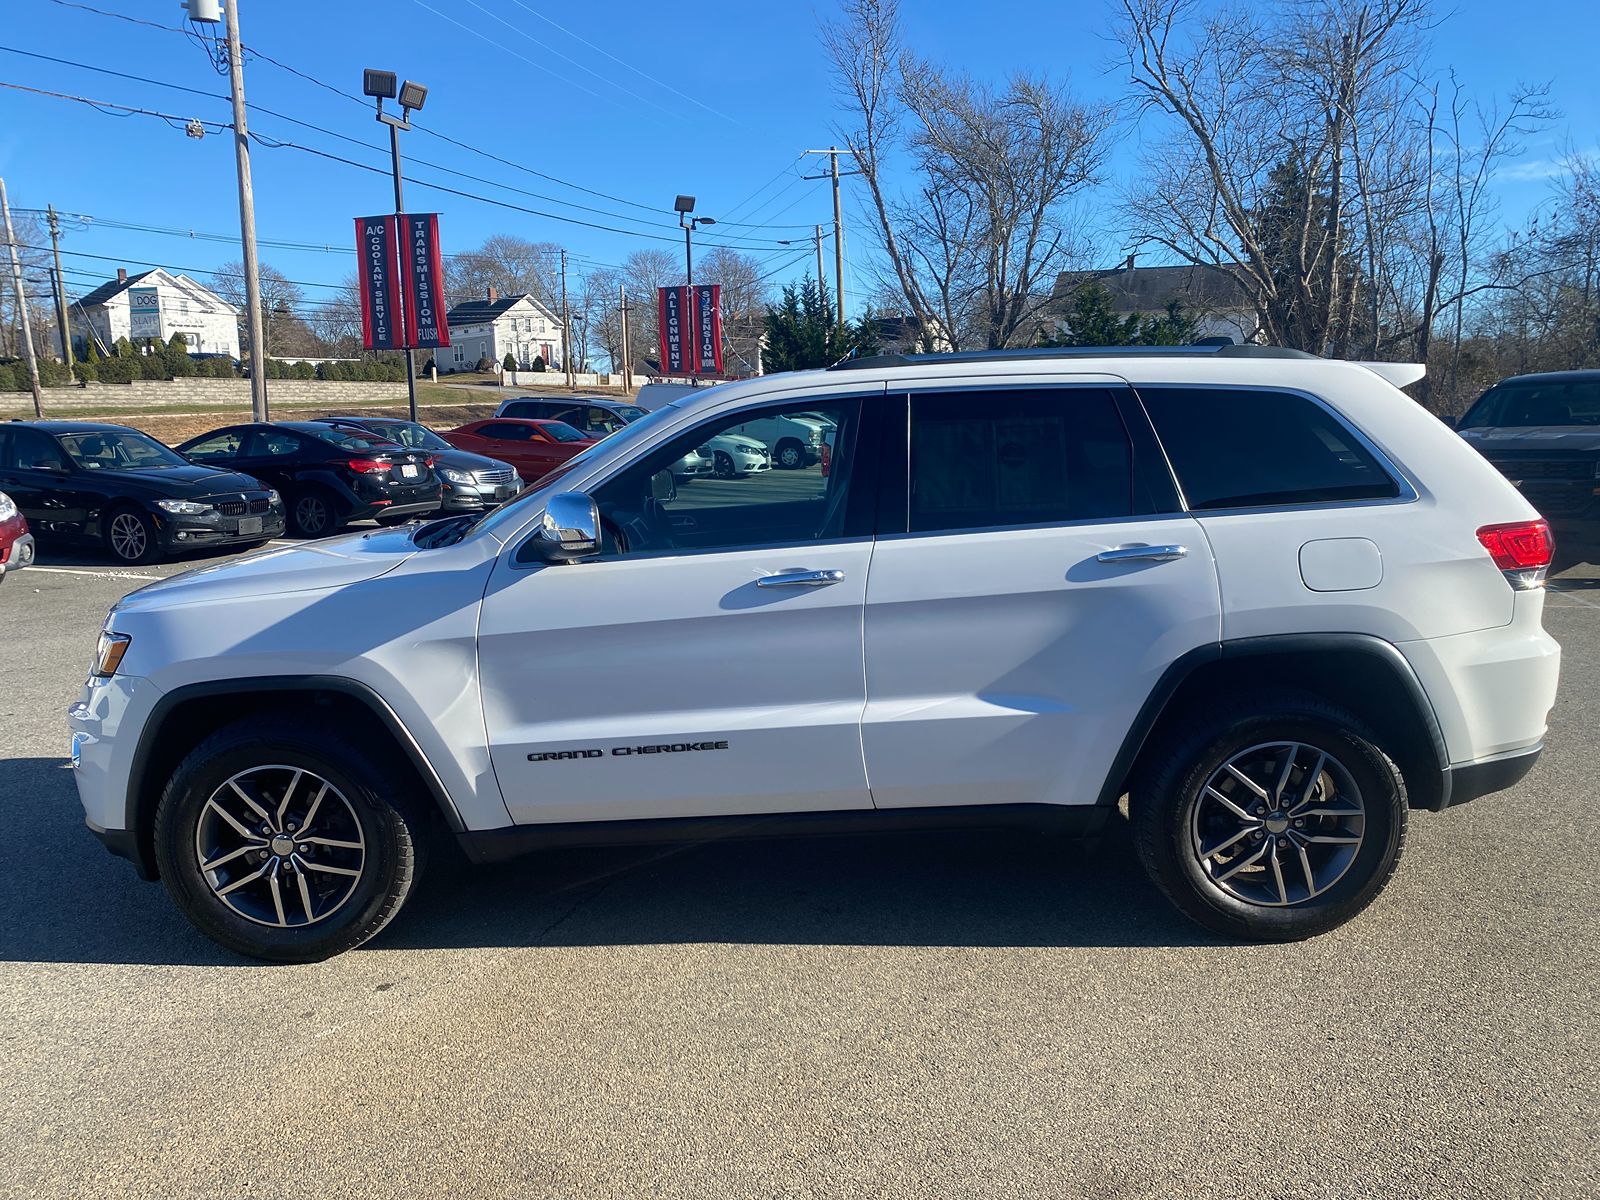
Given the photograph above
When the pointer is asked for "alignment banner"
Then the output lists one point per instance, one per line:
(708, 328)
(377, 246)
(424, 282)
(677, 331)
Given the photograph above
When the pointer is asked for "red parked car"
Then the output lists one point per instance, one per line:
(533, 447)
(16, 543)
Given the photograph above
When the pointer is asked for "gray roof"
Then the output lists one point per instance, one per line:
(1150, 289)
(473, 312)
(112, 287)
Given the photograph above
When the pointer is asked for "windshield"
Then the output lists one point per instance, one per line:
(408, 433)
(119, 450)
(347, 439)
(629, 412)
(1525, 403)
(562, 432)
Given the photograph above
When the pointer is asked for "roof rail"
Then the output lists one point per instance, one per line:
(1046, 353)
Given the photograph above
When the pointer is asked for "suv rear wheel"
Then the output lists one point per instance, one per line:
(286, 842)
(1275, 817)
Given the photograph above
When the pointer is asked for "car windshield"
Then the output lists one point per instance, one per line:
(629, 412)
(119, 450)
(408, 433)
(348, 440)
(1520, 404)
(562, 432)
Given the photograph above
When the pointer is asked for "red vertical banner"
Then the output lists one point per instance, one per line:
(708, 328)
(424, 281)
(377, 245)
(677, 330)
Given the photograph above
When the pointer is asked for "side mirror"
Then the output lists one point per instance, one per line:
(569, 530)
(663, 486)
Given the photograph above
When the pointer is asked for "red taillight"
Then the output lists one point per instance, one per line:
(827, 459)
(1518, 546)
(428, 462)
(367, 466)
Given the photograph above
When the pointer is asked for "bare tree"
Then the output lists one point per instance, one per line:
(33, 249)
(974, 246)
(284, 309)
(511, 265)
(744, 304)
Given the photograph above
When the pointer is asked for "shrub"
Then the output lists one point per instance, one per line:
(538, 363)
(8, 379)
(153, 366)
(509, 362)
(123, 348)
(304, 370)
(217, 368)
(486, 364)
(119, 370)
(88, 372)
(180, 364)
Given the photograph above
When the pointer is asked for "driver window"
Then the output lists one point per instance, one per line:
(719, 486)
(273, 443)
(30, 448)
(222, 445)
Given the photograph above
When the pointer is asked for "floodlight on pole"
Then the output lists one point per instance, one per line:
(386, 85)
(381, 84)
(683, 204)
(412, 96)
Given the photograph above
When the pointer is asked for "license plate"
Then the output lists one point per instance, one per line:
(249, 525)
(408, 471)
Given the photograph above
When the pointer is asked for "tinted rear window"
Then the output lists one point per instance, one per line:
(1247, 448)
(1534, 402)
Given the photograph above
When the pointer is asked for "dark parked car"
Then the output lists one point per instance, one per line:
(1543, 433)
(534, 448)
(591, 415)
(472, 482)
(86, 481)
(329, 476)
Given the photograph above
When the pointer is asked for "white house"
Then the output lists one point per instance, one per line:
(160, 304)
(496, 326)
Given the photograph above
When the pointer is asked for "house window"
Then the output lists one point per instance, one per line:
(458, 353)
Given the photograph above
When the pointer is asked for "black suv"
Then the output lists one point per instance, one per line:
(594, 416)
(86, 481)
(330, 476)
(1543, 433)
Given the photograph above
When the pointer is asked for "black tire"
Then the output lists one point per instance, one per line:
(130, 536)
(315, 512)
(722, 465)
(1170, 835)
(382, 801)
(789, 455)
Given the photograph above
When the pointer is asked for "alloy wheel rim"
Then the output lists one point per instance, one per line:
(280, 846)
(311, 513)
(790, 457)
(128, 538)
(724, 464)
(1278, 824)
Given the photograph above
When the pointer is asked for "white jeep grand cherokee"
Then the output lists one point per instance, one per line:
(1266, 596)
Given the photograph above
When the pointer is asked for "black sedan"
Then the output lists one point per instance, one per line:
(85, 481)
(330, 476)
(472, 482)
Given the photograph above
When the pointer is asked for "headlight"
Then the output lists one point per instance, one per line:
(455, 476)
(186, 508)
(8, 507)
(108, 654)
(273, 499)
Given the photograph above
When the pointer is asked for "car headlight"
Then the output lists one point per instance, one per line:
(273, 499)
(108, 654)
(455, 476)
(8, 507)
(185, 508)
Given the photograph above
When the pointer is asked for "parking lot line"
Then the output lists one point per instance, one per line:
(90, 571)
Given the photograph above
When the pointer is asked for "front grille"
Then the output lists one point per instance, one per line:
(1545, 468)
(496, 475)
(259, 506)
(232, 508)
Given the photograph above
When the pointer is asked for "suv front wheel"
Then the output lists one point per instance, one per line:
(286, 842)
(1275, 818)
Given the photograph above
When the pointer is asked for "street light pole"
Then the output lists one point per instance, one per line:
(400, 207)
(385, 85)
(684, 206)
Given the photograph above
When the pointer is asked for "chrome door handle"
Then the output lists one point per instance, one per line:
(1142, 554)
(801, 579)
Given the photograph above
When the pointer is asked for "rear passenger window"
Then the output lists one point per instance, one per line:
(1035, 457)
(1238, 448)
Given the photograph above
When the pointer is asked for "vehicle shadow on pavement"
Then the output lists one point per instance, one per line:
(64, 899)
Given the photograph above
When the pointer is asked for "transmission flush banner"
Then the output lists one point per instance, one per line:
(677, 331)
(424, 282)
(708, 328)
(377, 245)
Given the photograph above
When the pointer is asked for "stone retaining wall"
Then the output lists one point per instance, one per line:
(155, 393)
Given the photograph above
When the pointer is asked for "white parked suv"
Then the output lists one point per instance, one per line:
(1265, 596)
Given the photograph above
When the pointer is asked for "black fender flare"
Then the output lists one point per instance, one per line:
(141, 799)
(1181, 668)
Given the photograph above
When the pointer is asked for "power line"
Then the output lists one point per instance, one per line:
(123, 110)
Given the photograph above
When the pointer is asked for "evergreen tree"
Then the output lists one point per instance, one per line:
(510, 362)
(802, 333)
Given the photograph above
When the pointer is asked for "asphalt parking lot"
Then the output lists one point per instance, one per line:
(921, 1016)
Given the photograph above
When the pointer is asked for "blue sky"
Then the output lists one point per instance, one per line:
(636, 101)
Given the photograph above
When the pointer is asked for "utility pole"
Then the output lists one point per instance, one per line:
(22, 306)
(833, 153)
(819, 259)
(61, 294)
(566, 330)
(622, 312)
(247, 220)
